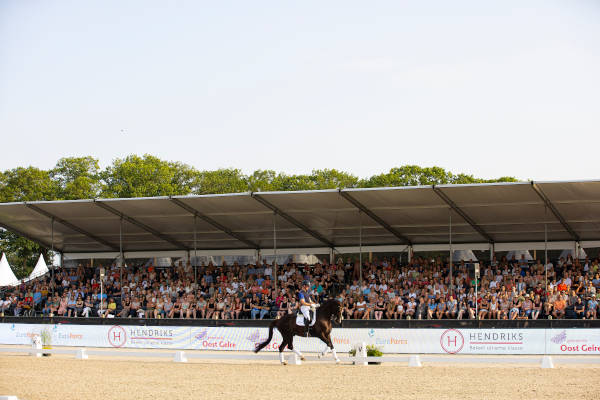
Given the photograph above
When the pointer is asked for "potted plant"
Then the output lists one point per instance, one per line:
(46, 337)
(372, 351)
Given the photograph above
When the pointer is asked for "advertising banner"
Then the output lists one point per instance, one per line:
(402, 341)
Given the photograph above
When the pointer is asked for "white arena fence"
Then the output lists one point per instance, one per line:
(396, 341)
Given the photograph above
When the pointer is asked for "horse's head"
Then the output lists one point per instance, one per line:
(334, 310)
(338, 315)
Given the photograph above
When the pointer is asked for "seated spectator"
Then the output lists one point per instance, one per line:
(360, 308)
(110, 309)
(579, 309)
(559, 307)
(88, 306)
(78, 306)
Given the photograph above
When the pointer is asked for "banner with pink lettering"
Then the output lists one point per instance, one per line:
(400, 341)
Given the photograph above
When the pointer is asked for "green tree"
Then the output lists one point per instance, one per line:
(26, 184)
(77, 178)
(263, 180)
(332, 179)
(269, 181)
(147, 176)
(413, 175)
(226, 180)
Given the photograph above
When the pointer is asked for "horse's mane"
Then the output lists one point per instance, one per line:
(330, 306)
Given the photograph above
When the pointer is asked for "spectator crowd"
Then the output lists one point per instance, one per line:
(419, 289)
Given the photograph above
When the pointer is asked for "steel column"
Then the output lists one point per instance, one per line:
(360, 267)
(195, 253)
(546, 247)
(52, 254)
(451, 255)
(121, 257)
(274, 272)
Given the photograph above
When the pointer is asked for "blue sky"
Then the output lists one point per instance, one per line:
(481, 87)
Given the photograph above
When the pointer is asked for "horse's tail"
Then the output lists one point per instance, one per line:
(266, 342)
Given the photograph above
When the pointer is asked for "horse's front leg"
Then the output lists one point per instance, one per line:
(281, 349)
(337, 360)
(326, 338)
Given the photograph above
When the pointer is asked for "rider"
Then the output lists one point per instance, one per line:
(306, 302)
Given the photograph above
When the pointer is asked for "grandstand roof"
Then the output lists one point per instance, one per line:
(481, 213)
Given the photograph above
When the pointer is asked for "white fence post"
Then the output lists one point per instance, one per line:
(360, 353)
(180, 357)
(294, 359)
(37, 345)
(414, 361)
(81, 354)
(547, 362)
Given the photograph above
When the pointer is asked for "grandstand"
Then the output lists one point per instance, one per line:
(412, 231)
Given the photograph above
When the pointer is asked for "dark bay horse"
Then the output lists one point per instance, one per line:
(286, 325)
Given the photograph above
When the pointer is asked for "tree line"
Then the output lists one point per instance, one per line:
(147, 176)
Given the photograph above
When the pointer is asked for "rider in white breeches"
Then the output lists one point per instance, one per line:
(306, 303)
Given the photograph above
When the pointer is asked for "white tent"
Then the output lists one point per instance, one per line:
(463, 255)
(7, 277)
(40, 269)
(570, 252)
(518, 254)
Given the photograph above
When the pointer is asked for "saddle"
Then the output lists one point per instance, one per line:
(300, 318)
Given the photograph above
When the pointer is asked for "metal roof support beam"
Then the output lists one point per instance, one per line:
(24, 235)
(538, 190)
(143, 226)
(214, 223)
(292, 220)
(71, 226)
(460, 212)
(374, 217)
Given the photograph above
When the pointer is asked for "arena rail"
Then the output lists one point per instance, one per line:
(412, 360)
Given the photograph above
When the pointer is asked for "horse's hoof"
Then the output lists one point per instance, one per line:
(284, 363)
(302, 358)
(337, 362)
(319, 355)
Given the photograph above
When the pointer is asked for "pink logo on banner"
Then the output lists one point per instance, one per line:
(452, 341)
(117, 336)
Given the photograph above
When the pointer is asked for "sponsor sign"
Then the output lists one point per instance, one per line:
(573, 341)
(452, 341)
(404, 341)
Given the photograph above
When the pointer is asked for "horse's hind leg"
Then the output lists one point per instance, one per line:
(324, 352)
(291, 347)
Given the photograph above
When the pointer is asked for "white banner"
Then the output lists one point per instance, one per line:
(403, 341)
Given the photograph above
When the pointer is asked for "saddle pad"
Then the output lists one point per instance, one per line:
(300, 320)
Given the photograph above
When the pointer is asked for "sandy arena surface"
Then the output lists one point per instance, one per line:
(62, 377)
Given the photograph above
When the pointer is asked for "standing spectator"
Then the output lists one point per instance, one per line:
(592, 307)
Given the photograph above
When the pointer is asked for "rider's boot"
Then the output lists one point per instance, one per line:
(307, 325)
